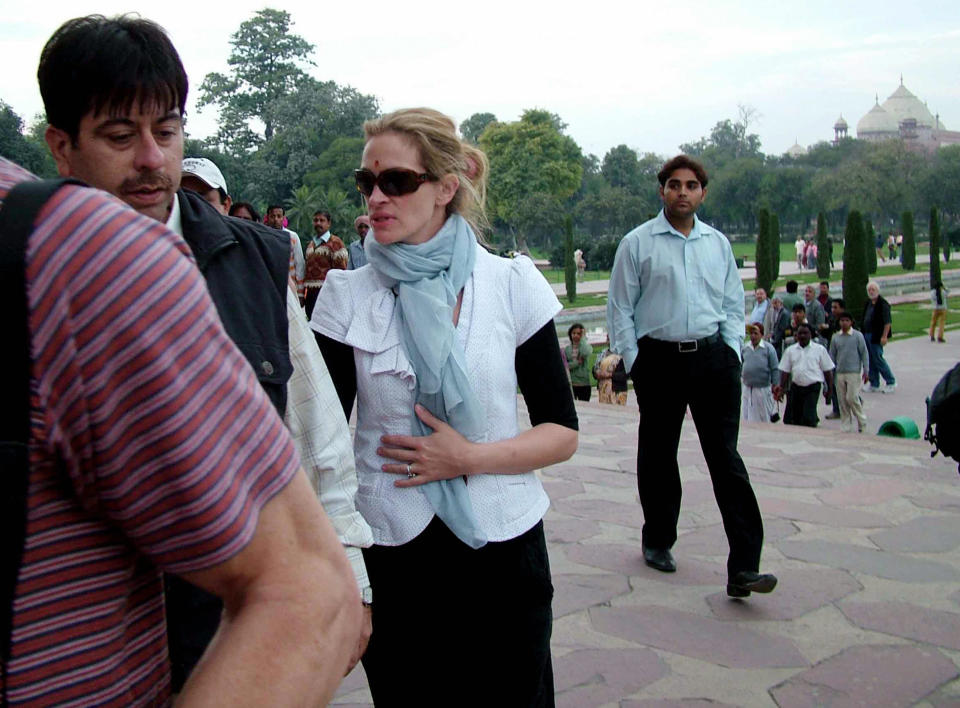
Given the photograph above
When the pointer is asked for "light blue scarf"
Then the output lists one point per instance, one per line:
(426, 278)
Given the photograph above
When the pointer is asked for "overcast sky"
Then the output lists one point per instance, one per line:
(651, 76)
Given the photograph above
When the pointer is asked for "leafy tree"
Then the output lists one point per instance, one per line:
(335, 166)
(621, 168)
(945, 244)
(23, 149)
(909, 256)
(763, 257)
(266, 64)
(728, 141)
(527, 157)
(472, 128)
(540, 218)
(569, 264)
(934, 248)
(774, 241)
(301, 204)
(871, 248)
(733, 190)
(823, 248)
(854, 265)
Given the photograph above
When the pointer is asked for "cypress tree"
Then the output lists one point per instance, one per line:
(854, 266)
(909, 257)
(569, 264)
(871, 246)
(774, 242)
(763, 257)
(823, 248)
(934, 247)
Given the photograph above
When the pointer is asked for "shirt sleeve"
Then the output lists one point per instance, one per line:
(773, 365)
(334, 308)
(731, 329)
(532, 300)
(786, 363)
(320, 432)
(826, 363)
(157, 417)
(623, 293)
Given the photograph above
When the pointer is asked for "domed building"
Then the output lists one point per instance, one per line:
(904, 117)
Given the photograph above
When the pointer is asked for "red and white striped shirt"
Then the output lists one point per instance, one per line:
(152, 447)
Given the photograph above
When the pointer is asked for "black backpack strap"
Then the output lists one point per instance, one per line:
(19, 211)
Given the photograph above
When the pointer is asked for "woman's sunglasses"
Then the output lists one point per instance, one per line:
(393, 183)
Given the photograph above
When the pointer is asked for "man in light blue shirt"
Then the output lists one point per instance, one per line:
(760, 308)
(675, 313)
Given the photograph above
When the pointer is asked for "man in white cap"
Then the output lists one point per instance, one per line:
(356, 256)
(203, 177)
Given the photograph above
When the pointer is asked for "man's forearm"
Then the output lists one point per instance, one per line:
(291, 612)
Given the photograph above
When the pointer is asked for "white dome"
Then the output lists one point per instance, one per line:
(876, 121)
(902, 105)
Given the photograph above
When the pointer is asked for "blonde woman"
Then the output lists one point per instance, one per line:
(433, 337)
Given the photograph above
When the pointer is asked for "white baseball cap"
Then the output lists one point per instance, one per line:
(205, 170)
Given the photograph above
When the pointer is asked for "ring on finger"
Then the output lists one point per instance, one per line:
(410, 473)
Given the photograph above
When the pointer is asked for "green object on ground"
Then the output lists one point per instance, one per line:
(900, 427)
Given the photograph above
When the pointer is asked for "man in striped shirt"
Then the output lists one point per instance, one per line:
(118, 125)
(152, 448)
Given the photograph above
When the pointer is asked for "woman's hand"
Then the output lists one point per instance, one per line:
(445, 454)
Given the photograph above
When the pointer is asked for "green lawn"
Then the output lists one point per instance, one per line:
(556, 275)
(836, 274)
(913, 320)
(788, 252)
(588, 300)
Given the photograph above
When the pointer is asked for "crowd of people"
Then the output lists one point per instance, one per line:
(198, 521)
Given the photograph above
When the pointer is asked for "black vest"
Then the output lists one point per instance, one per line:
(246, 266)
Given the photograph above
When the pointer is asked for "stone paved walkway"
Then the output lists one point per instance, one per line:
(863, 532)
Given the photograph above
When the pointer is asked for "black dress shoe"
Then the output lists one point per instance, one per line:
(747, 581)
(661, 559)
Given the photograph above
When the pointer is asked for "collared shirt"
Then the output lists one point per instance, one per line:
(806, 364)
(849, 352)
(758, 312)
(671, 287)
(357, 257)
(322, 238)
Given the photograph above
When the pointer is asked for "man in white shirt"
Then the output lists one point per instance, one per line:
(805, 366)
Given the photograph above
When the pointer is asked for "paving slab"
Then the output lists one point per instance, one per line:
(869, 676)
(862, 531)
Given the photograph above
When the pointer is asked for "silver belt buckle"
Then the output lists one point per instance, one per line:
(687, 346)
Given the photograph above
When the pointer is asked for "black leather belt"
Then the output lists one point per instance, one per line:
(685, 346)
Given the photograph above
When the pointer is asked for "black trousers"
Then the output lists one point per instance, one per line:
(581, 392)
(666, 382)
(802, 405)
(454, 626)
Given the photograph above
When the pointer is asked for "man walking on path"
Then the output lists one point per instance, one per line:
(877, 328)
(806, 366)
(848, 350)
(676, 315)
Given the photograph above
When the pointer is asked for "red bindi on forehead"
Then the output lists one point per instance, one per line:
(376, 163)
